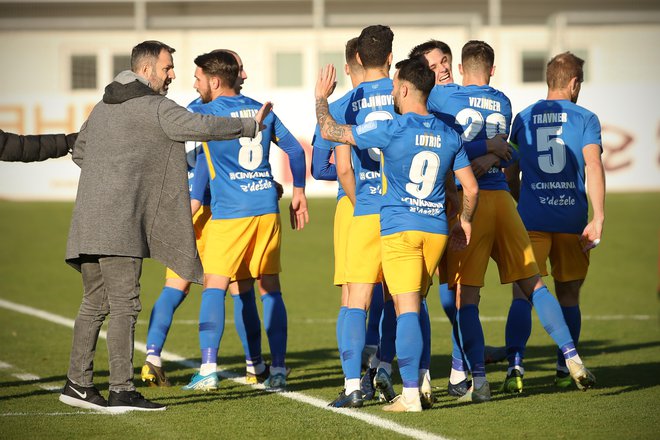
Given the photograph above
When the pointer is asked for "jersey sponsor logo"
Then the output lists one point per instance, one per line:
(373, 101)
(366, 127)
(241, 175)
(375, 190)
(552, 185)
(562, 200)
(421, 206)
(428, 140)
(550, 118)
(485, 103)
(257, 186)
(369, 175)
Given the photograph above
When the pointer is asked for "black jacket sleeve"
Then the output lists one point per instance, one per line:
(33, 148)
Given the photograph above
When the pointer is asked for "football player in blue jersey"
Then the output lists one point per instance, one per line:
(557, 141)
(418, 150)
(479, 112)
(244, 235)
(370, 100)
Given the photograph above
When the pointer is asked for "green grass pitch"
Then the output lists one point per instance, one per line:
(620, 342)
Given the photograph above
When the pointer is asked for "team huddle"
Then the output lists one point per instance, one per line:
(427, 173)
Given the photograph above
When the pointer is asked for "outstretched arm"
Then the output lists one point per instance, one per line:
(330, 130)
(33, 148)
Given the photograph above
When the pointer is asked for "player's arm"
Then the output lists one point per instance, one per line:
(462, 230)
(322, 169)
(199, 185)
(451, 195)
(330, 129)
(34, 148)
(596, 190)
(345, 172)
(298, 213)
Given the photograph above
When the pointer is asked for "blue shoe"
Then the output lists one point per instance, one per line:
(459, 389)
(275, 382)
(353, 400)
(367, 384)
(203, 383)
(383, 382)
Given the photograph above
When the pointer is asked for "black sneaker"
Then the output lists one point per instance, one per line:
(82, 397)
(122, 401)
(353, 400)
(459, 389)
(367, 384)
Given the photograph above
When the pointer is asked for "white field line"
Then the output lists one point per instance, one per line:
(28, 377)
(299, 397)
(443, 319)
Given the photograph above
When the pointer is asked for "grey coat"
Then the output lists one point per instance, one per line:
(133, 195)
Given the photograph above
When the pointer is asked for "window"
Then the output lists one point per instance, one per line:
(120, 63)
(533, 66)
(289, 69)
(337, 59)
(83, 72)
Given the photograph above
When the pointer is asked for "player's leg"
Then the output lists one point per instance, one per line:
(248, 328)
(569, 269)
(370, 354)
(342, 222)
(387, 348)
(160, 321)
(517, 331)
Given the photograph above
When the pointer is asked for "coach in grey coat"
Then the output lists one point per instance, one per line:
(132, 203)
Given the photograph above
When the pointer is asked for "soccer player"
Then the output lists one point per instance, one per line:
(370, 100)
(418, 150)
(244, 233)
(557, 141)
(479, 112)
(438, 55)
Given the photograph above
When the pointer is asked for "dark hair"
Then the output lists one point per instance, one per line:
(562, 68)
(477, 55)
(147, 52)
(351, 51)
(424, 48)
(416, 71)
(221, 64)
(375, 45)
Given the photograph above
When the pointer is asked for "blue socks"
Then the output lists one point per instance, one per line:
(375, 312)
(211, 323)
(275, 321)
(448, 301)
(573, 318)
(425, 327)
(248, 326)
(409, 348)
(340, 325)
(518, 330)
(161, 318)
(472, 338)
(388, 333)
(352, 342)
(550, 315)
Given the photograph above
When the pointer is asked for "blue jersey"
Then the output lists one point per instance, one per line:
(550, 136)
(417, 151)
(240, 175)
(323, 144)
(369, 101)
(197, 168)
(477, 113)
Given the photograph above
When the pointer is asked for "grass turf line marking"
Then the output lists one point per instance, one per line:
(28, 377)
(299, 397)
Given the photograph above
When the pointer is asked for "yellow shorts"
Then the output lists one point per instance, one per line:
(243, 248)
(200, 220)
(343, 216)
(497, 232)
(410, 259)
(363, 258)
(567, 260)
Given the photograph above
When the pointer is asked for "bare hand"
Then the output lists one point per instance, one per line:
(326, 82)
(262, 113)
(459, 236)
(480, 165)
(298, 210)
(591, 235)
(499, 147)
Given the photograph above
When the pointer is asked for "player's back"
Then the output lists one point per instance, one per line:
(369, 101)
(241, 179)
(550, 136)
(477, 113)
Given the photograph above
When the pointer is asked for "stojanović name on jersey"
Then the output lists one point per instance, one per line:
(428, 140)
(422, 206)
(373, 101)
(485, 103)
(550, 118)
(244, 113)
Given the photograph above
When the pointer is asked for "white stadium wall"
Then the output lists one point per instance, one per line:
(621, 86)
